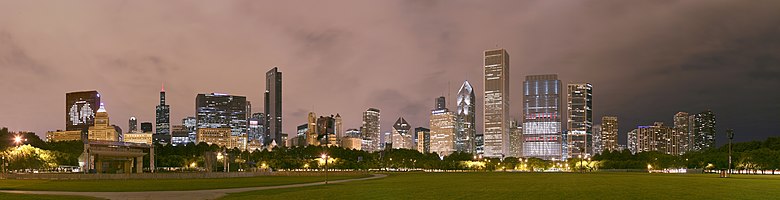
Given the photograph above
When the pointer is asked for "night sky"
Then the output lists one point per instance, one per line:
(647, 60)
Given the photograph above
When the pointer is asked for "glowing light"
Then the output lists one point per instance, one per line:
(193, 165)
(18, 139)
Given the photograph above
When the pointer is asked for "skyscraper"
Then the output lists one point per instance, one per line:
(496, 104)
(465, 119)
(650, 138)
(191, 124)
(598, 147)
(256, 127)
(441, 103)
(80, 108)
(326, 130)
(542, 111)
(682, 131)
(132, 125)
(339, 128)
(371, 130)
(401, 137)
(273, 106)
(442, 131)
(221, 111)
(163, 131)
(609, 133)
(311, 131)
(579, 136)
(515, 139)
(703, 131)
(423, 139)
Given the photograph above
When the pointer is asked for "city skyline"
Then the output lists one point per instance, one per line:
(127, 61)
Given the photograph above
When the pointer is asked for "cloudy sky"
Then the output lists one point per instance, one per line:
(647, 59)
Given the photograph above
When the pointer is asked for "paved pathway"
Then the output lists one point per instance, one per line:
(183, 195)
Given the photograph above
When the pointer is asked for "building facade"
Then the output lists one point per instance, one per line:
(402, 138)
(163, 121)
(703, 131)
(371, 130)
(682, 131)
(465, 119)
(650, 138)
(579, 134)
(542, 122)
(256, 127)
(80, 108)
(222, 111)
(221, 137)
(423, 139)
(442, 131)
(132, 124)
(496, 103)
(609, 133)
(515, 139)
(273, 106)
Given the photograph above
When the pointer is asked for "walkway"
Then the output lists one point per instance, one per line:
(183, 195)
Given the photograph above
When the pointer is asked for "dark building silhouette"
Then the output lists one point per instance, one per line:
(273, 107)
(163, 132)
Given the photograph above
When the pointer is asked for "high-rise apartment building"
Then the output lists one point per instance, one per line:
(273, 107)
(80, 108)
(442, 131)
(371, 130)
(515, 139)
(465, 119)
(703, 131)
(579, 135)
(609, 133)
(542, 121)
(598, 147)
(682, 131)
(222, 111)
(423, 139)
(650, 138)
(496, 104)
(402, 138)
(163, 121)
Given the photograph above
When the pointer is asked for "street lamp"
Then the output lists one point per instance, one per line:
(325, 157)
(730, 134)
(18, 140)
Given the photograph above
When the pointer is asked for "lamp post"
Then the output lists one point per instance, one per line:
(325, 156)
(730, 134)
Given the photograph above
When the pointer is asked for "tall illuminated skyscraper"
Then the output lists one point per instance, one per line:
(579, 137)
(401, 137)
(703, 131)
(80, 108)
(371, 130)
(682, 131)
(496, 104)
(217, 110)
(273, 107)
(423, 139)
(442, 131)
(465, 119)
(609, 133)
(163, 132)
(542, 121)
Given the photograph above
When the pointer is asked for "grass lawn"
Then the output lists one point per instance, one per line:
(41, 197)
(158, 184)
(537, 186)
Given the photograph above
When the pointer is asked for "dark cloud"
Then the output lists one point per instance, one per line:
(646, 60)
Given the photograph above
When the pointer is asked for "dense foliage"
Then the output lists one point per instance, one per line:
(756, 155)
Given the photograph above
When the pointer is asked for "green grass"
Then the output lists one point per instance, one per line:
(41, 197)
(159, 184)
(536, 186)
